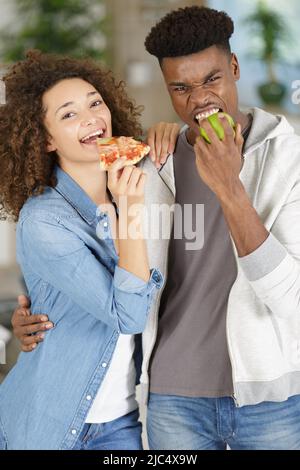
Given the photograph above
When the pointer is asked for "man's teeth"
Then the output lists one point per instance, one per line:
(205, 115)
(93, 134)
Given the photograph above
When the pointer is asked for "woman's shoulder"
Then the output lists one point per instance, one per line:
(46, 206)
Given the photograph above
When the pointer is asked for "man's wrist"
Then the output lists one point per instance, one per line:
(234, 196)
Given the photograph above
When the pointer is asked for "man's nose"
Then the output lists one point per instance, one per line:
(198, 96)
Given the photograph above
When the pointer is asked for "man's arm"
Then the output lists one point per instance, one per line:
(246, 228)
(270, 261)
(29, 329)
(219, 165)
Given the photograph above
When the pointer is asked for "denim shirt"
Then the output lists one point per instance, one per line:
(68, 259)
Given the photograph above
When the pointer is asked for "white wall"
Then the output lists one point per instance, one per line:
(7, 244)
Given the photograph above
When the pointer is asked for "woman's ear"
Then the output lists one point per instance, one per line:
(50, 146)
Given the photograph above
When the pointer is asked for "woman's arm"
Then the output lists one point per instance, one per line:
(60, 258)
(127, 188)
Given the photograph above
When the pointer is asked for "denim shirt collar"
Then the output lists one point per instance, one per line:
(75, 196)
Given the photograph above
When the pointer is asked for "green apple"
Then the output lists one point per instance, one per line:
(215, 123)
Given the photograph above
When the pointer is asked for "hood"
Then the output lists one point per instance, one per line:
(265, 126)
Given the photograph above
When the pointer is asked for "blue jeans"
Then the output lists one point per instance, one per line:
(183, 423)
(120, 434)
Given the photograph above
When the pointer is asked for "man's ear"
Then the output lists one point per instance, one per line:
(235, 66)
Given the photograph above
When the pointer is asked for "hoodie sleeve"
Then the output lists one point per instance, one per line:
(273, 269)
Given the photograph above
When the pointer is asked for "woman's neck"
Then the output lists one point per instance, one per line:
(90, 178)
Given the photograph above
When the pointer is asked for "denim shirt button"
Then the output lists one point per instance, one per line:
(104, 364)
(105, 224)
(74, 431)
(89, 397)
(157, 277)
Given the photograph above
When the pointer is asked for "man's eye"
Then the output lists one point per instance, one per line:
(180, 89)
(212, 79)
(68, 115)
(96, 103)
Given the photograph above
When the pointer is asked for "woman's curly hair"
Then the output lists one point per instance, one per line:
(26, 167)
(189, 30)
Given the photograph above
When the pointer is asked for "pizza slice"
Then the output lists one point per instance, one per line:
(112, 148)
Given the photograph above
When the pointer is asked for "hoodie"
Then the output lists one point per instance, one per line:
(263, 314)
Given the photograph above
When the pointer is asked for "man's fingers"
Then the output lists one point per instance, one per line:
(29, 348)
(30, 340)
(23, 301)
(27, 319)
(32, 319)
(34, 328)
(238, 135)
(226, 126)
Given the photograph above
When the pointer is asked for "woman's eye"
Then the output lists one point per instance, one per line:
(68, 115)
(97, 103)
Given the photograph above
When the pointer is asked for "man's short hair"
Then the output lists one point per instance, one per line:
(189, 30)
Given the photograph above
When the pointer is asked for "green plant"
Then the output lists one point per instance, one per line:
(73, 27)
(271, 29)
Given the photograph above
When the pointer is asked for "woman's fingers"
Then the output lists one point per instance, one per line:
(162, 139)
(166, 142)
(141, 183)
(175, 130)
(151, 141)
(134, 178)
(115, 170)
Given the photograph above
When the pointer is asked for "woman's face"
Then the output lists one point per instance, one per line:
(75, 116)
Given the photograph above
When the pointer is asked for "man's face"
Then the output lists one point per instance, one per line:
(202, 83)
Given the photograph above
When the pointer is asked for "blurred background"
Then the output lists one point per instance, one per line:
(113, 31)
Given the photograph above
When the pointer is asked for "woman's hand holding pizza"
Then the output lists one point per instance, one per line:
(126, 181)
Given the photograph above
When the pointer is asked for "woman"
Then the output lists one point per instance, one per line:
(78, 390)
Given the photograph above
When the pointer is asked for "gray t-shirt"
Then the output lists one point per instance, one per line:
(191, 355)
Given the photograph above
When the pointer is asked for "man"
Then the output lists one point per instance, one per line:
(222, 343)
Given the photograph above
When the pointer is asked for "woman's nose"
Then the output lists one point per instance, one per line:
(88, 120)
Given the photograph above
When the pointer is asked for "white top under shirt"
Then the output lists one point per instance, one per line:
(116, 395)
